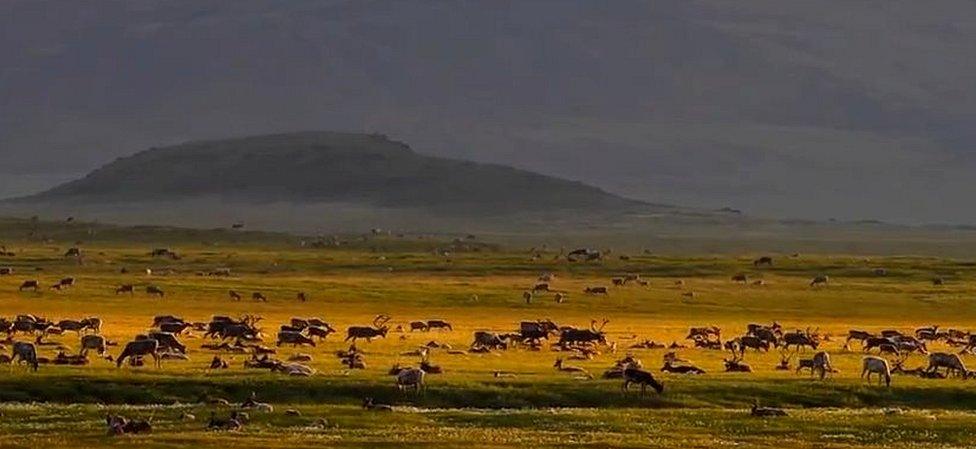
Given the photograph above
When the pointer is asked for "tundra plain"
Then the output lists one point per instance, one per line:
(477, 286)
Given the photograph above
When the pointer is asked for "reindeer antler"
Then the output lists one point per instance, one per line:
(605, 321)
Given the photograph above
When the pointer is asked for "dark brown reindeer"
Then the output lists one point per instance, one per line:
(377, 330)
(633, 374)
(139, 348)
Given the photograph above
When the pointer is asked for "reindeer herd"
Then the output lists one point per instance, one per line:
(885, 353)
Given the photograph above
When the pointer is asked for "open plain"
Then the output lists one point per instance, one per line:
(511, 397)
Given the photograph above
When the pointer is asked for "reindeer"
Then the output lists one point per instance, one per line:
(70, 325)
(596, 291)
(541, 287)
(234, 296)
(378, 329)
(302, 297)
(754, 342)
(411, 378)
(24, 352)
(820, 280)
(30, 285)
(294, 338)
(153, 290)
(92, 342)
(139, 348)
(706, 332)
(736, 365)
(418, 326)
(427, 367)
(439, 324)
(765, 412)
(125, 288)
(368, 404)
(487, 341)
(92, 323)
(801, 339)
(681, 369)
(740, 278)
(764, 260)
(572, 336)
(560, 366)
(633, 374)
(820, 363)
(951, 362)
(876, 365)
(320, 332)
(258, 296)
(857, 335)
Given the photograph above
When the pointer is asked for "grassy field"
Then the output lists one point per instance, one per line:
(477, 290)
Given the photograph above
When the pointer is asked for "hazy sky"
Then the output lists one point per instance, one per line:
(796, 109)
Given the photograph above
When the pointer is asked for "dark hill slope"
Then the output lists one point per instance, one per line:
(319, 167)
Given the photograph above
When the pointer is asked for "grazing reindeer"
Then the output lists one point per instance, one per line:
(30, 285)
(258, 296)
(302, 297)
(632, 374)
(125, 288)
(740, 278)
(234, 296)
(818, 281)
(764, 260)
(25, 352)
(418, 326)
(153, 290)
(879, 366)
(820, 363)
(138, 348)
(951, 362)
(541, 287)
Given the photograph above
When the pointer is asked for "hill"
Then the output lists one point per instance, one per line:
(321, 167)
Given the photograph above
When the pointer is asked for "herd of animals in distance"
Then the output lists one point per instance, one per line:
(169, 337)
